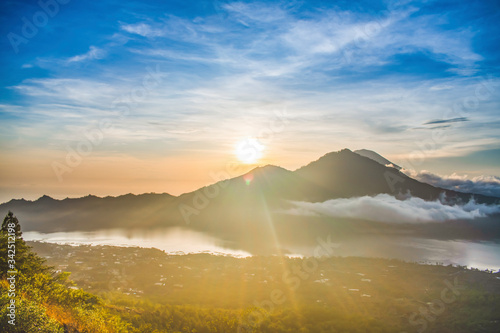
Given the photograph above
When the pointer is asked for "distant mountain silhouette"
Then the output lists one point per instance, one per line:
(87, 213)
(376, 157)
(345, 174)
(242, 208)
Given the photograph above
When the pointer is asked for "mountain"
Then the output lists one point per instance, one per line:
(376, 157)
(346, 174)
(243, 208)
(87, 213)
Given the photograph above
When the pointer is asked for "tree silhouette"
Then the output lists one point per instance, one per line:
(10, 221)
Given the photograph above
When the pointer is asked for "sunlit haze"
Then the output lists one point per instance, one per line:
(154, 97)
(220, 166)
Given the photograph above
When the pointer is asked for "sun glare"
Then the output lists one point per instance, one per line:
(249, 150)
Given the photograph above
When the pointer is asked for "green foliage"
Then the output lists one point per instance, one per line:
(46, 301)
(30, 317)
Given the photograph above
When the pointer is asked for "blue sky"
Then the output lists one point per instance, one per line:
(417, 81)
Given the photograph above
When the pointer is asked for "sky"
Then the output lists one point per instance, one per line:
(114, 97)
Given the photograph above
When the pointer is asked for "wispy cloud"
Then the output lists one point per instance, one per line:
(259, 12)
(447, 121)
(93, 53)
(142, 29)
(81, 92)
(349, 76)
(388, 209)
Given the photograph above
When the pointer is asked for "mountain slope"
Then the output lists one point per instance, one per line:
(239, 206)
(376, 157)
(346, 174)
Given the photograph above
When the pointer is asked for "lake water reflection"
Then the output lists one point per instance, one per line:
(482, 255)
(171, 240)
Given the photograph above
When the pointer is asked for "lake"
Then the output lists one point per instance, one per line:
(482, 255)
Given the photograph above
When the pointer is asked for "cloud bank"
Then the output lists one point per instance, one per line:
(486, 185)
(386, 208)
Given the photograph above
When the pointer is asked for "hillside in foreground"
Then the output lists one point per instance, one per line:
(156, 292)
(37, 298)
(119, 289)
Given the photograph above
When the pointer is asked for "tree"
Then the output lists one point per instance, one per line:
(11, 222)
(26, 262)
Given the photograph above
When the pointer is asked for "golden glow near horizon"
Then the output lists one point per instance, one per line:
(76, 122)
(249, 150)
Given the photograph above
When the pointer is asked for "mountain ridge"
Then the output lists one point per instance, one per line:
(259, 170)
(233, 204)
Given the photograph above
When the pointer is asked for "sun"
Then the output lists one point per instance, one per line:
(249, 150)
